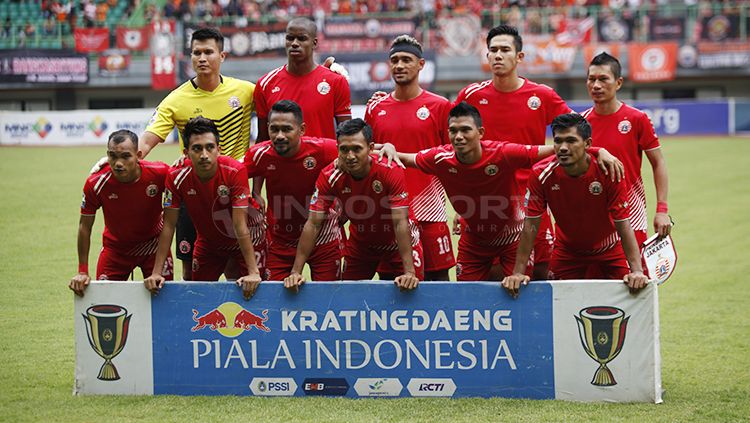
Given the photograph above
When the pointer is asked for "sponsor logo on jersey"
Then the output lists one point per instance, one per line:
(452, 170)
(324, 88)
(325, 386)
(314, 197)
(152, 190)
(556, 187)
(423, 387)
(273, 386)
(191, 192)
(234, 102)
(346, 190)
(534, 102)
(491, 170)
(595, 188)
(309, 162)
(625, 126)
(275, 90)
(423, 113)
(271, 167)
(381, 113)
(484, 101)
(167, 198)
(377, 186)
(113, 196)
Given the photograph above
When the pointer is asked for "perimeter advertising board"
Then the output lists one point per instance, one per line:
(577, 340)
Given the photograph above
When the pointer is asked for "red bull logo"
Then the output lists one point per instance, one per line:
(230, 320)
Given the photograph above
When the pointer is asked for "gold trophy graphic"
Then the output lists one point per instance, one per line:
(602, 333)
(107, 329)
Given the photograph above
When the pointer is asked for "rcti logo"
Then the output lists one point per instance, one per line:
(42, 127)
(98, 126)
(230, 320)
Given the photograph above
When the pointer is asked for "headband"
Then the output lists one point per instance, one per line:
(405, 48)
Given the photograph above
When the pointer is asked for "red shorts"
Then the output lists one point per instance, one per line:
(545, 238)
(436, 245)
(325, 261)
(476, 259)
(210, 263)
(361, 262)
(608, 265)
(116, 266)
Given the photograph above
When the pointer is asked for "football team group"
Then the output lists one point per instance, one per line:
(351, 197)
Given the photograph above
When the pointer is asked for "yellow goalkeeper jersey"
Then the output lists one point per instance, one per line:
(229, 106)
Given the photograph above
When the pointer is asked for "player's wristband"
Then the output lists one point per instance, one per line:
(661, 207)
(83, 268)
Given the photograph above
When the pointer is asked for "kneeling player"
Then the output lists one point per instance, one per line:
(290, 164)
(373, 195)
(129, 192)
(216, 193)
(593, 236)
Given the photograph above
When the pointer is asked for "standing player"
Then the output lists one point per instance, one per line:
(594, 239)
(129, 192)
(493, 215)
(227, 101)
(383, 233)
(414, 119)
(215, 192)
(516, 110)
(627, 132)
(290, 164)
(323, 94)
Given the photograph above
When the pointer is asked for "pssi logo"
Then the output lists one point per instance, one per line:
(42, 127)
(230, 320)
(273, 386)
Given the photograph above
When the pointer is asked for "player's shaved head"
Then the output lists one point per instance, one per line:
(353, 127)
(465, 109)
(122, 135)
(308, 25)
(572, 120)
(204, 34)
(197, 126)
(287, 106)
(605, 59)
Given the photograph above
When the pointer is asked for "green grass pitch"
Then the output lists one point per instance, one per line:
(705, 322)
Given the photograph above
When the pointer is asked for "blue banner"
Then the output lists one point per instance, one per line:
(681, 117)
(439, 340)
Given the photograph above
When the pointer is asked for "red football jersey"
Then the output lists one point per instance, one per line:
(290, 182)
(520, 116)
(210, 203)
(412, 126)
(366, 202)
(322, 95)
(584, 207)
(626, 134)
(483, 193)
(132, 212)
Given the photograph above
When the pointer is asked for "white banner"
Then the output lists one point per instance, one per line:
(79, 127)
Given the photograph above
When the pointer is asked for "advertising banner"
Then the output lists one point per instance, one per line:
(261, 40)
(80, 127)
(666, 29)
(652, 62)
(682, 117)
(371, 72)
(572, 340)
(43, 67)
(544, 54)
(89, 40)
(354, 34)
(720, 27)
(715, 55)
(614, 29)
